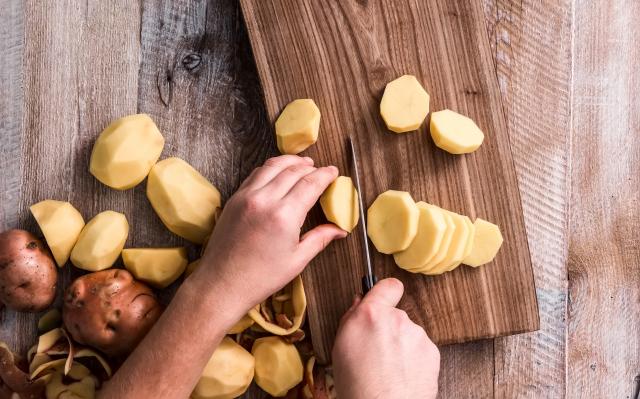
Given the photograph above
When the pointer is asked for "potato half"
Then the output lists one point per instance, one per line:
(158, 267)
(61, 225)
(100, 241)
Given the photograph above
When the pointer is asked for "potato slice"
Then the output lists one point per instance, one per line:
(455, 133)
(278, 365)
(125, 151)
(486, 243)
(159, 267)
(431, 230)
(443, 250)
(455, 253)
(404, 105)
(61, 225)
(186, 202)
(468, 245)
(297, 126)
(339, 203)
(100, 241)
(392, 221)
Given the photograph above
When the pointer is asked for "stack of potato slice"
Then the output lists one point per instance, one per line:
(424, 238)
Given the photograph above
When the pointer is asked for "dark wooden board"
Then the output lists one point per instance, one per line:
(341, 54)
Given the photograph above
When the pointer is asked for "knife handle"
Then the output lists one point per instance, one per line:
(367, 283)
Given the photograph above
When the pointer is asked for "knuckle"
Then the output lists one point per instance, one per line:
(367, 312)
(310, 179)
(253, 203)
(275, 161)
(280, 217)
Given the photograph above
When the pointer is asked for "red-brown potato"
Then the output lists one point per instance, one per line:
(110, 311)
(28, 274)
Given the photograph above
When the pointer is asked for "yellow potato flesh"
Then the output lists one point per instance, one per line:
(442, 251)
(487, 242)
(61, 225)
(339, 203)
(125, 151)
(468, 245)
(159, 267)
(297, 126)
(241, 325)
(278, 365)
(455, 133)
(455, 253)
(100, 241)
(186, 202)
(431, 230)
(228, 373)
(404, 105)
(392, 221)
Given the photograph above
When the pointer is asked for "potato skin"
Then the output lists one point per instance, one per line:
(28, 274)
(110, 311)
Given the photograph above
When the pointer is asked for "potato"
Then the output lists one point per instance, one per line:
(183, 199)
(392, 221)
(228, 373)
(297, 126)
(404, 105)
(28, 274)
(125, 151)
(455, 252)
(455, 133)
(339, 203)
(157, 267)
(443, 250)
(241, 325)
(486, 243)
(100, 241)
(431, 230)
(109, 311)
(278, 365)
(61, 225)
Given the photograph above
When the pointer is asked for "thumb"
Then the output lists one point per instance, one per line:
(386, 292)
(317, 239)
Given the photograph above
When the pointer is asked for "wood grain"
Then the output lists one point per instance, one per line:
(342, 54)
(604, 277)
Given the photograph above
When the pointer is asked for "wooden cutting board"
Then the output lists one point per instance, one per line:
(342, 54)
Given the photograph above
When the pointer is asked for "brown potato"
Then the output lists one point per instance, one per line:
(28, 274)
(110, 311)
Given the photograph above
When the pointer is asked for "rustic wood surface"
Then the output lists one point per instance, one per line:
(568, 75)
(342, 54)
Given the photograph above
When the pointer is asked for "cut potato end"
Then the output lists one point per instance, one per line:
(61, 225)
(297, 126)
(442, 251)
(487, 241)
(392, 221)
(455, 133)
(431, 230)
(404, 105)
(159, 267)
(100, 241)
(339, 203)
(455, 253)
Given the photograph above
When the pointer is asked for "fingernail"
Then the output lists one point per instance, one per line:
(308, 160)
(333, 168)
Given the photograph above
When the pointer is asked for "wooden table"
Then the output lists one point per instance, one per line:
(569, 76)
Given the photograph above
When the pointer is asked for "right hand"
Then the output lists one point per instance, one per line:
(380, 353)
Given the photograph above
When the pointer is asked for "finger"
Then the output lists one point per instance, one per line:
(356, 301)
(280, 185)
(386, 292)
(271, 168)
(305, 193)
(317, 239)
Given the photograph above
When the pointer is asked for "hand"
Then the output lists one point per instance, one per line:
(380, 353)
(256, 248)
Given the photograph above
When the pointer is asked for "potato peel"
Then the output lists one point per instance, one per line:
(297, 306)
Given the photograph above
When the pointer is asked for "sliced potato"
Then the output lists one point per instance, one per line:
(392, 221)
(297, 126)
(443, 250)
(431, 230)
(404, 105)
(467, 246)
(455, 253)
(339, 203)
(159, 267)
(61, 225)
(486, 243)
(100, 241)
(455, 133)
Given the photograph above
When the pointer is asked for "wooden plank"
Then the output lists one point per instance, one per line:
(532, 49)
(604, 279)
(342, 54)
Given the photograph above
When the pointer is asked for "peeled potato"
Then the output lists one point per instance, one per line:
(392, 221)
(158, 267)
(228, 373)
(404, 105)
(339, 203)
(297, 126)
(431, 230)
(472, 235)
(486, 243)
(125, 151)
(278, 365)
(61, 225)
(455, 253)
(467, 245)
(186, 202)
(100, 241)
(455, 133)
(443, 250)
